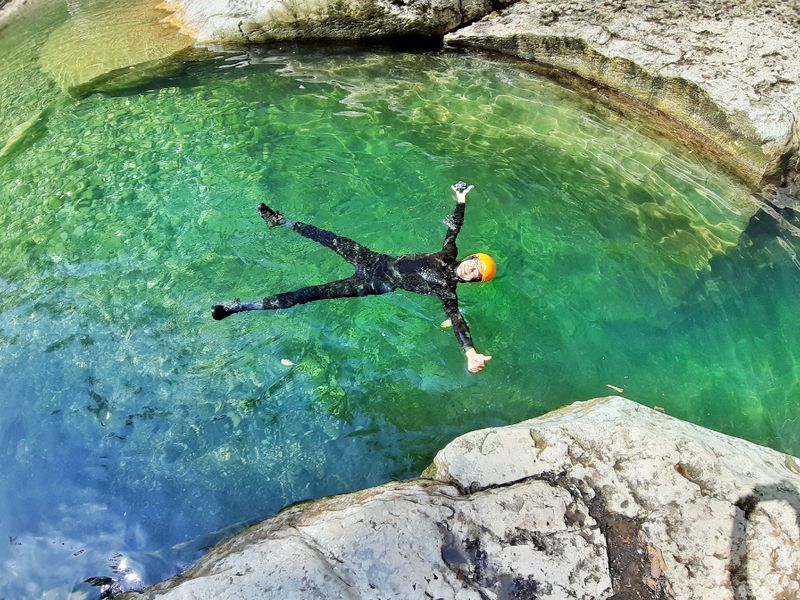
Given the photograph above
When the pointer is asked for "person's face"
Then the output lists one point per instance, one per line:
(469, 269)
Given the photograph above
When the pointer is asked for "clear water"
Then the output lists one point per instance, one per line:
(135, 431)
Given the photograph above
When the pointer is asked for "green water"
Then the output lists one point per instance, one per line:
(135, 431)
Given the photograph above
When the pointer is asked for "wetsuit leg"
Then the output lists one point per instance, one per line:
(348, 249)
(351, 287)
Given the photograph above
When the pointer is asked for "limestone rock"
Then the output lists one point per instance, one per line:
(726, 69)
(716, 517)
(8, 8)
(601, 499)
(270, 20)
(411, 540)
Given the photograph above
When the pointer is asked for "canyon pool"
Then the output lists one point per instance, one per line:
(135, 431)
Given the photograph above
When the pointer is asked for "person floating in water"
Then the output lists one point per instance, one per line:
(435, 274)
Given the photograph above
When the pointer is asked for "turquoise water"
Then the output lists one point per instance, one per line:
(135, 431)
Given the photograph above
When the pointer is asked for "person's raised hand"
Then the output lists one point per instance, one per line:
(476, 361)
(461, 197)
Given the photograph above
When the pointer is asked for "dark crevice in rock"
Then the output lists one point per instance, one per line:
(464, 22)
(636, 567)
(786, 195)
(245, 35)
(549, 477)
(499, 4)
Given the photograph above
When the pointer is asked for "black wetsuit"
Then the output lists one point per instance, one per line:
(432, 274)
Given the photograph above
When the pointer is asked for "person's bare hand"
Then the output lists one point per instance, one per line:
(461, 197)
(476, 361)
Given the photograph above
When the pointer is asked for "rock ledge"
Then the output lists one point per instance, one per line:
(724, 73)
(259, 21)
(727, 70)
(601, 499)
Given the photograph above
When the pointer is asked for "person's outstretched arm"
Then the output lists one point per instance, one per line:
(456, 221)
(475, 360)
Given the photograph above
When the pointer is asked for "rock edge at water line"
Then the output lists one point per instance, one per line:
(724, 71)
(727, 70)
(259, 21)
(599, 498)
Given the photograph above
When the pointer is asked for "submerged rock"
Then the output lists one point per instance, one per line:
(600, 499)
(724, 73)
(727, 70)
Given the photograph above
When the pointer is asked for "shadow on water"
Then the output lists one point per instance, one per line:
(738, 565)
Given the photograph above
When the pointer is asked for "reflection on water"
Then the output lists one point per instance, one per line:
(136, 431)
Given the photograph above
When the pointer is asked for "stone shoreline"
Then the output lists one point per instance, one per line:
(724, 71)
(601, 499)
(721, 75)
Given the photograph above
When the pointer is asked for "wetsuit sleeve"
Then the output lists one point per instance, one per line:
(454, 224)
(460, 327)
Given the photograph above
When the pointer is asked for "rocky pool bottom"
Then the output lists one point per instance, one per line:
(137, 432)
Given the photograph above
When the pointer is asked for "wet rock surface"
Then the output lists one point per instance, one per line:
(8, 8)
(726, 69)
(256, 21)
(602, 499)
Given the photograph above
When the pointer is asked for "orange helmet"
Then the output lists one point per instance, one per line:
(488, 268)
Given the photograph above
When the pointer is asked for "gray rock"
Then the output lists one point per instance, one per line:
(270, 20)
(712, 509)
(725, 69)
(407, 540)
(788, 195)
(601, 499)
(9, 8)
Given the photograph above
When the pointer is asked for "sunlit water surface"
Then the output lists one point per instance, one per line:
(135, 431)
